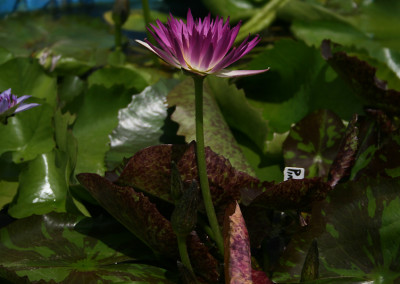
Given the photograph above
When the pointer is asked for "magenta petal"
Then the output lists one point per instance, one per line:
(201, 46)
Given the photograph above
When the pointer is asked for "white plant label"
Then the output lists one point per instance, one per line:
(293, 173)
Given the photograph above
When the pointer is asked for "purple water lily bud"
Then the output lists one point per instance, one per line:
(11, 104)
(201, 47)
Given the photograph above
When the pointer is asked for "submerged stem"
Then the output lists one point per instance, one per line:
(201, 164)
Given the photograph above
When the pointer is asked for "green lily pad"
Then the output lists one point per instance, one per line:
(290, 91)
(313, 143)
(96, 119)
(81, 37)
(42, 186)
(237, 111)
(357, 230)
(26, 77)
(140, 123)
(217, 134)
(28, 134)
(62, 248)
(112, 75)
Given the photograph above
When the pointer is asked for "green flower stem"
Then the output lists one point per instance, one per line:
(201, 164)
(183, 252)
(118, 36)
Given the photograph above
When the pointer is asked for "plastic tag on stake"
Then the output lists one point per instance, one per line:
(293, 173)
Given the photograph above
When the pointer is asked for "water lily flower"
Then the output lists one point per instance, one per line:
(11, 104)
(201, 47)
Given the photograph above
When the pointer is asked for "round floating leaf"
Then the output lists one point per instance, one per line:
(140, 123)
(42, 186)
(28, 134)
(5, 55)
(217, 134)
(78, 36)
(26, 77)
(97, 117)
(8, 191)
(294, 90)
(357, 229)
(62, 248)
(112, 75)
(313, 143)
(237, 111)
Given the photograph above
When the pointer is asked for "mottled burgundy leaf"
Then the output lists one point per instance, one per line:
(134, 211)
(259, 277)
(205, 264)
(341, 166)
(361, 77)
(292, 194)
(150, 171)
(237, 247)
(141, 217)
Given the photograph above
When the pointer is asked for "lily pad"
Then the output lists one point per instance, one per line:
(142, 218)
(217, 134)
(140, 123)
(96, 119)
(357, 230)
(313, 143)
(62, 248)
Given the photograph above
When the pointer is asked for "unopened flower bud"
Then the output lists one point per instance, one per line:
(184, 217)
(120, 12)
(176, 182)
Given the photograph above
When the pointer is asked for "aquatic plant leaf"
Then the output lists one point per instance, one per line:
(116, 75)
(134, 211)
(42, 186)
(26, 77)
(237, 111)
(140, 123)
(344, 160)
(75, 36)
(217, 134)
(141, 217)
(361, 77)
(356, 228)
(149, 170)
(96, 118)
(292, 194)
(62, 248)
(28, 134)
(313, 143)
(237, 256)
(294, 91)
